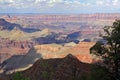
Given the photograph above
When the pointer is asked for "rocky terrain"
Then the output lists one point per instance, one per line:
(15, 32)
(80, 50)
(19, 63)
(25, 38)
(15, 40)
(67, 68)
(63, 23)
(48, 51)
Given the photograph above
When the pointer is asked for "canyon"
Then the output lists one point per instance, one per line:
(48, 51)
(26, 38)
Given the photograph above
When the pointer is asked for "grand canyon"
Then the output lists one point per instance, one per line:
(19, 33)
(40, 46)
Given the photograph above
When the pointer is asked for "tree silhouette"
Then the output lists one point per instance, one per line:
(110, 51)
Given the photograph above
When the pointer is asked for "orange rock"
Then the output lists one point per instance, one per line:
(81, 51)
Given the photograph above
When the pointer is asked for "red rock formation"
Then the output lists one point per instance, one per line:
(81, 51)
(9, 48)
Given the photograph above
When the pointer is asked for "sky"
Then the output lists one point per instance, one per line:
(60, 6)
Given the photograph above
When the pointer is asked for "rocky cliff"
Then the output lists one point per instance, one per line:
(67, 68)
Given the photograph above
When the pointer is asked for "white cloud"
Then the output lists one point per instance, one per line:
(112, 3)
(61, 5)
(99, 2)
(37, 1)
(116, 2)
(6, 1)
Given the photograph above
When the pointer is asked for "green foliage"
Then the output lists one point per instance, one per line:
(96, 73)
(98, 49)
(110, 52)
(48, 72)
(18, 76)
(45, 65)
(47, 75)
(99, 73)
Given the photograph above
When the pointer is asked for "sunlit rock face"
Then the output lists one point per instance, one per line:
(81, 51)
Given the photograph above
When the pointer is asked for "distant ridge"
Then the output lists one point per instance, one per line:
(19, 35)
(4, 25)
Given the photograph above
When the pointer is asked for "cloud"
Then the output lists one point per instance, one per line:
(112, 3)
(6, 2)
(60, 6)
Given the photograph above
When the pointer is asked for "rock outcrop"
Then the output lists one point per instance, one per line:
(81, 50)
(67, 68)
(4, 25)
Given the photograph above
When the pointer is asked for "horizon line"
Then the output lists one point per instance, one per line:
(65, 13)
